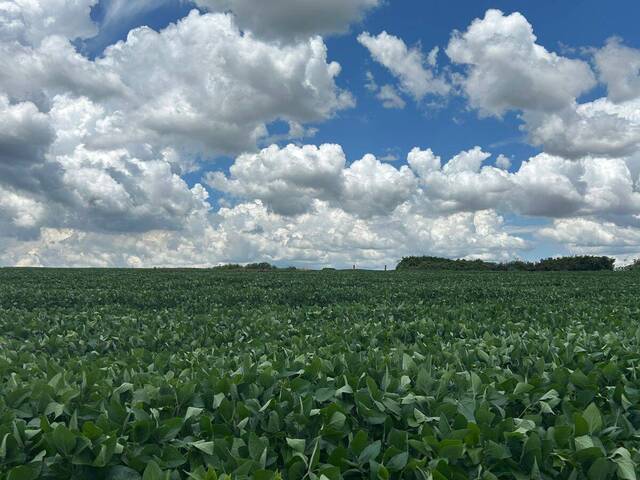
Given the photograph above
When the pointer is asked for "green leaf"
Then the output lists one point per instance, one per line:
(359, 442)
(337, 421)
(257, 446)
(584, 442)
(398, 462)
(451, 449)
(378, 471)
(371, 452)
(593, 417)
(64, 440)
(3, 446)
(203, 446)
(25, 472)
(399, 439)
(141, 431)
(192, 412)
(324, 394)
(297, 444)
(153, 472)
(496, 451)
(600, 469)
(170, 428)
(626, 468)
(521, 388)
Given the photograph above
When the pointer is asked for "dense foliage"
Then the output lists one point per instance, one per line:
(161, 374)
(439, 263)
(577, 263)
(250, 266)
(559, 264)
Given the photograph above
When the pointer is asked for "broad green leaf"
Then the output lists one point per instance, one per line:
(203, 446)
(297, 444)
(153, 472)
(626, 468)
(398, 462)
(64, 440)
(371, 452)
(593, 417)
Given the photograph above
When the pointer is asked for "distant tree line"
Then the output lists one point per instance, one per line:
(262, 266)
(633, 266)
(564, 264)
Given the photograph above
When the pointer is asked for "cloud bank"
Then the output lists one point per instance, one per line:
(97, 157)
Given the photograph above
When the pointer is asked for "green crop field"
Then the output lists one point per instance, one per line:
(159, 374)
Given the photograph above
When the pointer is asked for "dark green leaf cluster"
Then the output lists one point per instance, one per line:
(112, 374)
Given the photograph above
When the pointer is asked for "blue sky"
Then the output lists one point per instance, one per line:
(564, 137)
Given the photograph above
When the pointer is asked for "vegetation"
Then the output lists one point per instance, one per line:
(262, 266)
(560, 264)
(438, 263)
(635, 265)
(205, 374)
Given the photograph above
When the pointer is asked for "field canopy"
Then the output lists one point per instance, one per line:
(164, 374)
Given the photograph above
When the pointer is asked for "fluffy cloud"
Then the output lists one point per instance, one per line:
(469, 161)
(460, 185)
(387, 94)
(307, 206)
(544, 185)
(250, 232)
(596, 237)
(598, 128)
(291, 179)
(53, 68)
(287, 180)
(390, 98)
(30, 21)
(374, 188)
(200, 85)
(503, 162)
(99, 146)
(20, 214)
(619, 68)
(24, 138)
(508, 70)
(414, 73)
(293, 19)
(115, 192)
(47, 167)
(588, 233)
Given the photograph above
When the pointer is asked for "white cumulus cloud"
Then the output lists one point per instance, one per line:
(414, 72)
(293, 19)
(30, 21)
(508, 70)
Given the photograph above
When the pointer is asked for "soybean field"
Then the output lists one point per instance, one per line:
(207, 374)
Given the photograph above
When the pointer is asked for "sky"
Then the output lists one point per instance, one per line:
(305, 133)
